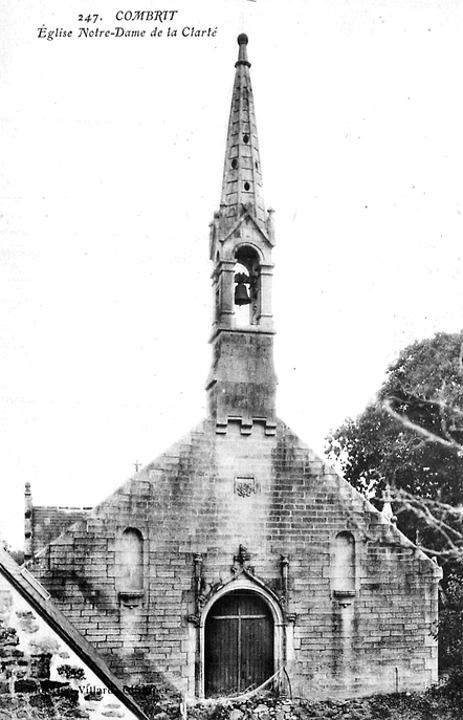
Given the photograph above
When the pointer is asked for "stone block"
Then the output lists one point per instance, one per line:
(25, 686)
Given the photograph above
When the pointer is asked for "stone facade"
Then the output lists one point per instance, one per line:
(337, 633)
(238, 558)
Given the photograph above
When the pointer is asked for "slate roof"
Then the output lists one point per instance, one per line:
(49, 522)
(35, 594)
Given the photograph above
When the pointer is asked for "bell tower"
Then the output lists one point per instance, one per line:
(242, 381)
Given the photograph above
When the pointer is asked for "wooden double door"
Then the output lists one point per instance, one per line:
(239, 641)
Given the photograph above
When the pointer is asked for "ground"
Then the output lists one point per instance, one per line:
(435, 703)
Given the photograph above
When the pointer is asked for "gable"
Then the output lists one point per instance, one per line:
(244, 509)
(211, 485)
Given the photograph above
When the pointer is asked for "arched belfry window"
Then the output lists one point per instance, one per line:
(129, 565)
(343, 575)
(247, 286)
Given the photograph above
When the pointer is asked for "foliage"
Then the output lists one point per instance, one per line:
(450, 632)
(425, 389)
(151, 701)
(411, 438)
(17, 555)
(71, 673)
(436, 702)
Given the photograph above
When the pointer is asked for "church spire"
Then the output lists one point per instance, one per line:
(242, 177)
(242, 380)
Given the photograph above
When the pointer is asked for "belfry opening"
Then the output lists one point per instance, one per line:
(247, 286)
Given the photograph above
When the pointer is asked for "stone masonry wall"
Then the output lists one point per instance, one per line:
(40, 676)
(193, 508)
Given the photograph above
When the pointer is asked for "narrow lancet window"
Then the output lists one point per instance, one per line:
(130, 562)
(343, 577)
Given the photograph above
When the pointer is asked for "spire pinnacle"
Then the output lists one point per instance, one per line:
(242, 178)
(243, 56)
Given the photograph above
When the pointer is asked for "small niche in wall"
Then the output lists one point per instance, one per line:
(129, 567)
(343, 575)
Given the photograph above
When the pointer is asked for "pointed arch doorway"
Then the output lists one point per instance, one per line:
(238, 644)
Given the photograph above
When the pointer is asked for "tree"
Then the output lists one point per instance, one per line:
(449, 631)
(17, 555)
(411, 438)
(424, 390)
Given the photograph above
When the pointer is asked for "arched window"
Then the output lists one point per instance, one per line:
(343, 576)
(129, 563)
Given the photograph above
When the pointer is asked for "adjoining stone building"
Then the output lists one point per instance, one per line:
(43, 523)
(238, 556)
(48, 669)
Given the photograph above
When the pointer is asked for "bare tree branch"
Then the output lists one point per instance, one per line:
(427, 434)
(434, 514)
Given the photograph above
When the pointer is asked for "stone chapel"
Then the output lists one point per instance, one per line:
(239, 559)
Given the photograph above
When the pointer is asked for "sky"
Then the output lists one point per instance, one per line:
(112, 152)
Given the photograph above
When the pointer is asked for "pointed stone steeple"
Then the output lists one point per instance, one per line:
(242, 380)
(242, 176)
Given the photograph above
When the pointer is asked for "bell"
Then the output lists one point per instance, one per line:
(241, 294)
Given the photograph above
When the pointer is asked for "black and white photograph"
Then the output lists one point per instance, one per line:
(231, 360)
